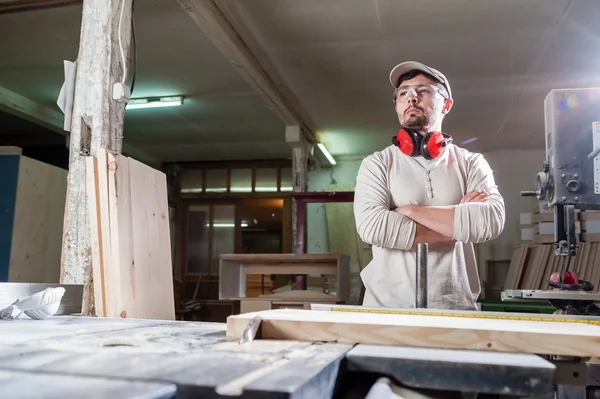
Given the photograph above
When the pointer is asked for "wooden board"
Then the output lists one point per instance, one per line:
(38, 223)
(515, 270)
(569, 339)
(131, 248)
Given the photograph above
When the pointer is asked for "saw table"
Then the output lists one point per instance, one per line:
(73, 356)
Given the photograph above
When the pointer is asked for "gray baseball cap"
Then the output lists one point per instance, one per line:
(408, 66)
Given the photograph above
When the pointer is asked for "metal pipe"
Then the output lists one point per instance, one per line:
(421, 276)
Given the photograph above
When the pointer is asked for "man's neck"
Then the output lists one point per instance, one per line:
(423, 132)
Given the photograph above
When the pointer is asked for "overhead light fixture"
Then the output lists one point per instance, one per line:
(326, 153)
(231, 225)
(154, 102)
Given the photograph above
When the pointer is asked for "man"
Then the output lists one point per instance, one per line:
(444, 196)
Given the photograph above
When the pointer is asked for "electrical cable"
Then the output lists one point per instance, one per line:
(134, 44)
(123, 63)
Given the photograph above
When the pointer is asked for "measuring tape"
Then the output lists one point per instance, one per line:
(474, 315)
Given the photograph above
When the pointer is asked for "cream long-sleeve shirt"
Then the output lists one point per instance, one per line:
(388, 179)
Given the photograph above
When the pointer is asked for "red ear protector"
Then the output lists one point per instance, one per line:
(430, 146)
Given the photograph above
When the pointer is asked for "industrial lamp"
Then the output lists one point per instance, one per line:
(154, 102)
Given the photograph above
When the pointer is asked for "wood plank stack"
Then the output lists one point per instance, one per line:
(534, 260)
(131, 249)
(590, 226)
(537, 226)
(532, 265)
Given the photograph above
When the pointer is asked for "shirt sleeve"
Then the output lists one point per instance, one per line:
(376, 223)
(478, 222)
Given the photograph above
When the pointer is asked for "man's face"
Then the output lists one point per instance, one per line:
(421, 103)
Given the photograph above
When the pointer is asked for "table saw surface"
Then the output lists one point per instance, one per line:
(123, 358)
(73, 356)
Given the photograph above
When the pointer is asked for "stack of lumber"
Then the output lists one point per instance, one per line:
(533, 261)
(129, 229)
(590, 226)
(537, 226)
(531, 265)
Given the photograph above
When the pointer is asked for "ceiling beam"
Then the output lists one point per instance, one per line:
(18, 105)
(211, 19)
(7, 7)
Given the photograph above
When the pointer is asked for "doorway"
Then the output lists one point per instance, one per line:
(266, 229)
(262, 225)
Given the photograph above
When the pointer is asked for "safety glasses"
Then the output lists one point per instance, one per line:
(422, 92)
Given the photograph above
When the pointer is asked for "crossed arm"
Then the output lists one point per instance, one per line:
(435, 224)
(478, 217)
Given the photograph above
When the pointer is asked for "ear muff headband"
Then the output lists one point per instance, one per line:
(429, 147)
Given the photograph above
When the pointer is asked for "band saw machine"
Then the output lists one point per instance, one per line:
(569, 181)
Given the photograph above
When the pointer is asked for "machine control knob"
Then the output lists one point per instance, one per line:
(573, 186)
(541, 181)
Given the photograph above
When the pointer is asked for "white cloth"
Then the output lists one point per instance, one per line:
(388, 179)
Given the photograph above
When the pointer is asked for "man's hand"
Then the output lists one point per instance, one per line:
(424, 233)
(437, 220)
(474, 196)
(431, 238)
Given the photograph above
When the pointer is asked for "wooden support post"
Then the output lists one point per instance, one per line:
(173, 172)
(97, 122)
(295, 138)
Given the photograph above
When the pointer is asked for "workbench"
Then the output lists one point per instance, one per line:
(81, 357)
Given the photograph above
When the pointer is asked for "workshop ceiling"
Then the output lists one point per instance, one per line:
(334, 57)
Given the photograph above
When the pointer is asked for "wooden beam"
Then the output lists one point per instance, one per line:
(430, 329)
(97, 124)
(18, 105)
(295, 138)
(24, 108)
(212, 20)
(7, 7)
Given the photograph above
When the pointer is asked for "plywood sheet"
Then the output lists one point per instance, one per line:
(152, 279)
(38, 223)
(538, 337)
(131, 249)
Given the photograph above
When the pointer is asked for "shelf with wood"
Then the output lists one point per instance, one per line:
(334, 270)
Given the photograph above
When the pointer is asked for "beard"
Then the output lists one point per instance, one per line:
(415, 121)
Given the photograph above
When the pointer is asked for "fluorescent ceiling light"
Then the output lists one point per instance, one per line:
(155, 102)
(326, 153)
(243, 224)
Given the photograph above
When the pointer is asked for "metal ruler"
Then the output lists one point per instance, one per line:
(464, 314)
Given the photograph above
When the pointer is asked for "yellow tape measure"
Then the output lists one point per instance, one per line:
(549, 318)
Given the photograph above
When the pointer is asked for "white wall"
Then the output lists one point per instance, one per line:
(514, 171)
(343, 177)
